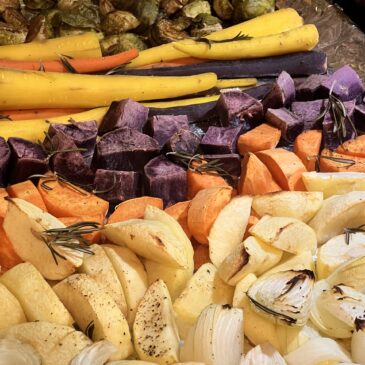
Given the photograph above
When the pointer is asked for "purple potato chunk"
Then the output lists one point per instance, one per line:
(231, 163)
(82, 133)
(124, 114)
(220, 140)
(311, 88)
(184, 141)
(27, 158)
(359, 117)
(238, 107)
(70, 165)
(281, 94)
(345, 83)
(125, 149)
(166, 180)
(4, 161)
(117, 186)
(162, 127)
(290, 124)
(308, 112)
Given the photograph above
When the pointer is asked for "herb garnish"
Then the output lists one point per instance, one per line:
(239, 37)
(66, 64)
(346, 161)
(349, 231)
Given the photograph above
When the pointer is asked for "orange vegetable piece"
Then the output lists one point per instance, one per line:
(285, 166)
(260, 138)
(8, 256)
(204, 209)
(201, 255)
(133, 208)
(353, 147)
(62, 200)
(180, 212)
(26, 190)
(3, 202)
(39, 113)
(256, 178)
(252, 220)
(307, 145)
(327, 165)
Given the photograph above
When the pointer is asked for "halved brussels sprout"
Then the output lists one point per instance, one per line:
(105, 7)
(247, 9)
(119, 21)
(205, 24)
(14, 18)
(223, 9)
(9, 4)
(11, 35)
(172, 6)
(39, 29)
(121, 42)
(39, 4)
(192, 10)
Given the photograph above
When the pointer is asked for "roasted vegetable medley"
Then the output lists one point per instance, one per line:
(122, 24)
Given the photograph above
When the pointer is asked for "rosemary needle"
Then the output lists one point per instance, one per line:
(239, 37)
(349, 231)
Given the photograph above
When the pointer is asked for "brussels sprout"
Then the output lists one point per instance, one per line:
(9, 4)
(247, 9)
(105, 7)
(119, 21)
(192, 10)
(146, 12)
(123, 4)
(10, 35)
(164, 31)
(15, 18)
(84, 16)
(223, 9)
(182, 22)
(67, 30)
(39, 4)
(69, 4)
(121, 42)
(172, 6)
(39, 29)
(205, 24)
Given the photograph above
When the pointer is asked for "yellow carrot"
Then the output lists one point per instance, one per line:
(227, 83)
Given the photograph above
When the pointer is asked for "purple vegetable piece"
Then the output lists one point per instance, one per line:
(117, 186)
(4, 161)
(125, 149)
(166, 180)
(345, 84)
(230, 163)
(281, 94)
(311, 88)
(182, 141)
(162, 127)
(27, 158)
(308, 112)
(83, 134)
(290, 124)
(218, 140)
(124, 114)
(70, 165)
(238, 106)
(359, 117)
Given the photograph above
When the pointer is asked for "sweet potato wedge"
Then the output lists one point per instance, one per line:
(8, 256)
(180, 212)
(353, 147)
(307, 145)
(345, 164)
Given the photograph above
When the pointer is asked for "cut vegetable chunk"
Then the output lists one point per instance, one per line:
(125, 149)
(229, 162)
(8, 257)
(165, 180)
(179, 211)
(4, 161)
(309, 111)
(336, 162)
(311, 88)
(307, 146)
(125, 113)
(182, 141)
(353, 147)
(285, 166)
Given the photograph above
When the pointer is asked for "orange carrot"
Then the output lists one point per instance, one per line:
(197, 182)
(26, 190)
(8, 257)
(38, 113)
(174, 63)
(180, 212)
(81, 65)
(3, 202)
(260, 138)
(204, 209)
(353, 147)
(133, 208)
(201, 255)
(255, 178)
(285, 166)
(252, 220)
(349, 164)
(62, 200)
(307, 145)
(92, 237)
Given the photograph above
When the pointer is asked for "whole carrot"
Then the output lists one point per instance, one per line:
(80, 65)
(30, 114)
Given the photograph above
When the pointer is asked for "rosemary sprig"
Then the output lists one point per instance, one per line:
(66, 64)
(41, 67)
(70, 237)
(239, 37)
(198, 164)
(346, 161)
(349, 231)
(89, 330)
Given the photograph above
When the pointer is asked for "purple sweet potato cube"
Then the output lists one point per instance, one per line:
(281, 94)
(117, 186)
(162, 127)
(345, 84)
(70, 165)
(359, 117)
(4, 161)
(231, 162)
(124, 114)
(311, 88)
(308, 111)
(182, 141)
(27, 158)
(218, 140)
(82, 133)
(238, 106)
(125, 149)
(290, 124)
(166, 180)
